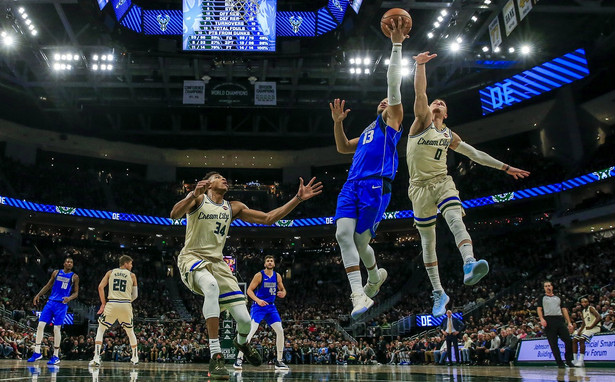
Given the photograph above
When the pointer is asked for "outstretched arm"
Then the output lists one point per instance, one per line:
(305, 192)
(422, 114)
(343, 145)
(485, 159)
(394, 113)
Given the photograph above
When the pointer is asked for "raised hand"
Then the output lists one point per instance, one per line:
(309, 190)
(201, 187)
(397, 28)
(424, 57)
(337, 110)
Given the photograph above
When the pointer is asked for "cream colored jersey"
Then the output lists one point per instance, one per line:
(120, 285)
(426, 154)
(206, 229)
(588, 318)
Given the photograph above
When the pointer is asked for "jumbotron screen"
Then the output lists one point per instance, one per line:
(232, 25)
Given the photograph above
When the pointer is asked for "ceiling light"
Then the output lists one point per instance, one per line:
(95, 67)
(511, 50)
(405, 71)
(110, 57)
(352, 61)
(455, 46)
(109, 67)
(103, 67)
(352, 70)
(95, 57)
(28, 21)
(21, 10)
(387, 61)
(474, 18)
(443, 12)
(487, 2)
(56, 57)
(526, 49)
(366, 71)
(430, 35)
(24, 16)
(367, 61)
(459, 39)
(34, 32)
(8, 40)
(63, 66)
(56, 66)
(76, 57)
(404, 62)
(436, 24)
(440, 19)
(497, 49)
(485, 49)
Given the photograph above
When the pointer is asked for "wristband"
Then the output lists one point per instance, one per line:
(397, 44)
(298, 197)
(192, 195)
(507, 167)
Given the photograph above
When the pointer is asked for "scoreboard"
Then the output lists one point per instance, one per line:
(232, 25)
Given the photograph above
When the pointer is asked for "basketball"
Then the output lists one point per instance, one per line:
(393, 14)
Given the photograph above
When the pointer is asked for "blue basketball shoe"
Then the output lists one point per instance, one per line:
(440, 299)
(474, 271)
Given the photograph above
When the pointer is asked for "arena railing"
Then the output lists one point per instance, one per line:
(316, 221)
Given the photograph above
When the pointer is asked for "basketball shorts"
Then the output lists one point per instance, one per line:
(427, 199)
(120, 311)
(364, 200)
(54, 312)
(230, 293)
(269, 313)
(587, 334)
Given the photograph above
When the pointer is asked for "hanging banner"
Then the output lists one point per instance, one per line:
(228, 93)
(510, 17)
(194, 92)
(494, 33)
(265, 93)
(525, 6)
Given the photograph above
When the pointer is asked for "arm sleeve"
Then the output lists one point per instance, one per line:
(135, 293)
(394, 76)
(479, 156)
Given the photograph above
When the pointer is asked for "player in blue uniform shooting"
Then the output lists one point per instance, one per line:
(367, 191)
(266, 285)
(64, 285)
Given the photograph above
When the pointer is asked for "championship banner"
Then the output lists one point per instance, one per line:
(525, 6)
(228, 94)
(494, 33)
(510, 17)
(194, 92)
(265, 93)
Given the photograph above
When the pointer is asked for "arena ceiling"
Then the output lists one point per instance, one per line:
(140, 100)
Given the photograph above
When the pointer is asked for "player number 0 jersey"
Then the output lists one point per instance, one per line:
(426, 153)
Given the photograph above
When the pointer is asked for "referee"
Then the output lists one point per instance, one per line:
(553, 313)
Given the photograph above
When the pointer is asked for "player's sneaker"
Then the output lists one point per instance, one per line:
(134, 361)
(94, 363)
(440, 299)
(238, 364)
(474, 271)
(279, 365)
(360, 304)
(372, 290)
(35, 357)
(250, 354)
(217, 370)
(53, 360)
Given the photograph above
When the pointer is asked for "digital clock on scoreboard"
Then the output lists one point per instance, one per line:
(215, 25)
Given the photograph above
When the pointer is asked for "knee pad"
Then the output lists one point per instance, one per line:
(454, 219)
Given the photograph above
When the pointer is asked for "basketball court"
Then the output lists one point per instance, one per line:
(78, 371)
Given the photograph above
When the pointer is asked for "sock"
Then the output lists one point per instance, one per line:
(581, 357)
(40, 330)
(57, 339)
(467, 253)
(574, 357)
(434, 277)
(355, 281)
(279, 339)
(135, 355)
(214, 346)
(366, 253)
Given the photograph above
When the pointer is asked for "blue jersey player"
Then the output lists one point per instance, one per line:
(367, 192)
(266, 285)
(64, 285)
